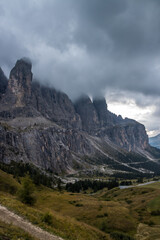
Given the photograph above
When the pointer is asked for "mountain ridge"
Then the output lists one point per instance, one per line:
(43, 126)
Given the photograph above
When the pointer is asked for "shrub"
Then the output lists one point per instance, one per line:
(103, 226)
(150, 223)
(155, 213)
(100, 216)
(105, 214)
(79, 205)
(120, 236)
(128, 201)
(47, 218)
(143, 192)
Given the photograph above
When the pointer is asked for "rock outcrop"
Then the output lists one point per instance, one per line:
(97, 120)
(85, 108)
(55, 106)
(19, 84)
(3, 83)
(105, 117)
(41, 125)
(130, 136)
(46, 145)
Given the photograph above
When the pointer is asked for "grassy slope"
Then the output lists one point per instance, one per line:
(84, 216)
(8, 231)
(64, 226)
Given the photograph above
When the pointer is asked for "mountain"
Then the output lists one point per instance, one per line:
(42, 126)
(155, 141)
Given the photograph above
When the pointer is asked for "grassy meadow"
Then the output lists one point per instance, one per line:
(125, 214)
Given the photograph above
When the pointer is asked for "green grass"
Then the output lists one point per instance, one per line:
(86, 216)
(8, 183)
(10, 232)
(154, 204)
(155, 185)
(64, 226)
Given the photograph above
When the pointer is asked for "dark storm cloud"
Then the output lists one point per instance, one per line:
(10, 48)
(132, 26)
(125, 37)
(86, 46)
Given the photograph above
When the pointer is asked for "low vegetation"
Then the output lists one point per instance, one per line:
(107, 214)
(47, 218)
(10, 232)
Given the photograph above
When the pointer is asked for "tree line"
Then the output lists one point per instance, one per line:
(19, 169)
(94, 185)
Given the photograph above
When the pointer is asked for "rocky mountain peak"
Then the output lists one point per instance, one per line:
(101, 109)
(19, 85)
(100, 102)
(85, 108)
(22, 67)
(59, 135)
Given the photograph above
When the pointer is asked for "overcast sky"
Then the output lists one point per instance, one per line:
(98, 47)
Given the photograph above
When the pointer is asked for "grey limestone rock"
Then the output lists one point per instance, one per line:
(41, 125)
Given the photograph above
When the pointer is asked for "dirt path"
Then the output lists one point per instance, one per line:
(145, 232)
(11, 218)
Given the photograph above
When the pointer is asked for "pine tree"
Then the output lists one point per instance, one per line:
(26, 192)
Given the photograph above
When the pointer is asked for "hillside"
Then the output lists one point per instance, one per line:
(126, 214)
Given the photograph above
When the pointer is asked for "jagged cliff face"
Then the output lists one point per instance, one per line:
(98, 121)
(55, 106)
(102, 112)
(85, 108)
(3, 83)
(41, 125)
(130, 136)
(19, 84)
(44, 144)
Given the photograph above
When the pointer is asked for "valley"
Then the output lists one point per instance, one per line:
(42, 126)
(79, 120)
(47, 142)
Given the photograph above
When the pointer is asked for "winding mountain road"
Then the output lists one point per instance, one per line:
(12, 218)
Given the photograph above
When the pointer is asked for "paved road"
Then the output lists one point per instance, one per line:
(12, 218)
(138, 185)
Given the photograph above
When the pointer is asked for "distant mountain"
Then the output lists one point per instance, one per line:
(42, 126)
(155, 141)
